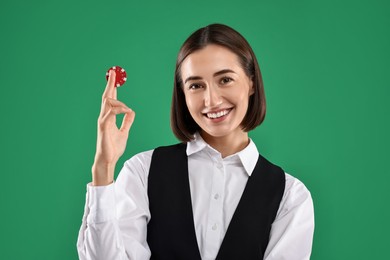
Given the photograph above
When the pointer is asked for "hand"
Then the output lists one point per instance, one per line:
(111, 141)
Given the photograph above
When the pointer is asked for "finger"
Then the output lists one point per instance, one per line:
(119, 110)
(112, 112)
(109, 102)
(110, 91)
(127, 121)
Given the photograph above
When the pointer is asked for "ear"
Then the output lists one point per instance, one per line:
(251, 87)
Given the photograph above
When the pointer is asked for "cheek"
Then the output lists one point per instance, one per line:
(192, 101)
(188, 101)
(240, 96)
(241, 101)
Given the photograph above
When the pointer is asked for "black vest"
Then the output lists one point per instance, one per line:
(171, 232)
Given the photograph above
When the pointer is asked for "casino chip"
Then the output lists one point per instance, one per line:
(121, 75)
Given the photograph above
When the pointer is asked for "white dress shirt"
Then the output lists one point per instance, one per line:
(114, 224)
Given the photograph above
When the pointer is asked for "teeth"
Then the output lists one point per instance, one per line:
(219, 114)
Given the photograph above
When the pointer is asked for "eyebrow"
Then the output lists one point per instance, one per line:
(215, 74)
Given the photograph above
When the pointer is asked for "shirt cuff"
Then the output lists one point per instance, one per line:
(101, 203)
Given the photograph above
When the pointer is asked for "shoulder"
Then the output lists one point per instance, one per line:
(138, 166)
(295, 195)
(140, 163)
(271, 167)
(140, 160)
(135, 169)
(295, 186)
(170, 148)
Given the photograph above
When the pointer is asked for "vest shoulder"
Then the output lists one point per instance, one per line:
(172, 147)
(270, 164)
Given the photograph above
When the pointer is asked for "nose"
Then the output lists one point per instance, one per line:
(212, 96)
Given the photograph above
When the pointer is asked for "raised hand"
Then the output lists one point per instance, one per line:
(111, 141)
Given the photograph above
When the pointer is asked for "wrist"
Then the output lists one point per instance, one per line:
(102, 174)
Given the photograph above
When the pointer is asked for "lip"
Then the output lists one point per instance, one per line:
(218, 119)
(218, 110)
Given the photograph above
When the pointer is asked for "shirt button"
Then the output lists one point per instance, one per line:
(219, 165)
(214, 227)
(216, 196)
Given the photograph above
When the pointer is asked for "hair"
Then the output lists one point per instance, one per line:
(182, 123)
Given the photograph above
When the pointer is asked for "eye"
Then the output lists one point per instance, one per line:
(226, 80)
(194, 86)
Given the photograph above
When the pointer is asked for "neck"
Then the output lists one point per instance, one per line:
(227, 145)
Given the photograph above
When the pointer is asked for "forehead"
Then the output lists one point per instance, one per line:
(210, 59)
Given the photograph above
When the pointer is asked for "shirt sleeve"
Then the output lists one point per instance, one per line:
(114, 225)
(292, 232)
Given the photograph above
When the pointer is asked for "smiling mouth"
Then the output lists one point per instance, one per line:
(218, 114)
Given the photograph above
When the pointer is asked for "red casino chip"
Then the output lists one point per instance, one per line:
(120, 77)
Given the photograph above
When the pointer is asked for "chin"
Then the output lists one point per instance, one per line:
(218, 132)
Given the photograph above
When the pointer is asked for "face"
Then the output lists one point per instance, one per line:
(216, 90)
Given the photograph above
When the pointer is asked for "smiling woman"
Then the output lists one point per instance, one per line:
(217, 99)
(213, 196)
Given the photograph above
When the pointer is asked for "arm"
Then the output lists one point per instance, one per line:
(292, 231)
(116, 216)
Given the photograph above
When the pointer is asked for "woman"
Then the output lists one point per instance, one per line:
(211, 197)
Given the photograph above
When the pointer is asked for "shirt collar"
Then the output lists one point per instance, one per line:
(248, 156)
(196, 145)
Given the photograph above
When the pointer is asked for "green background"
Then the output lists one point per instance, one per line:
(326, 73)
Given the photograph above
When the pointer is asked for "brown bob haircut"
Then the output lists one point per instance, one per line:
(182, 123)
